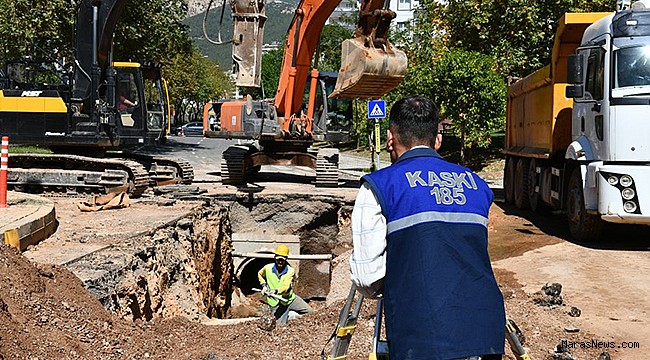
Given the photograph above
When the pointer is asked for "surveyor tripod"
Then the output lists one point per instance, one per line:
(347, 325)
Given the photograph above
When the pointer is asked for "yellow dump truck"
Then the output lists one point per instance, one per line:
(577, 130)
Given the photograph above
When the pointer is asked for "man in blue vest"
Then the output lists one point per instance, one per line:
(419, 229)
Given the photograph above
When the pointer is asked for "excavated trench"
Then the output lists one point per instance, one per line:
(189, 267)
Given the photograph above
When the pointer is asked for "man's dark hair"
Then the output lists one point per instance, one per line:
(414, 120)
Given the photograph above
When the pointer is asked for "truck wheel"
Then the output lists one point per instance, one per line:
(584, 227)
(534, 198)
(509, 179)
(521, 184)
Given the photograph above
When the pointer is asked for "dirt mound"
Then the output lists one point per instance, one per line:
(46, 313)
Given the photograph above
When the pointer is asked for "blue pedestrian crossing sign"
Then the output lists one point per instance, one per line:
(376, 109)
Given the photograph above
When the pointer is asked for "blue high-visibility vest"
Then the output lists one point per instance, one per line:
(441, 298)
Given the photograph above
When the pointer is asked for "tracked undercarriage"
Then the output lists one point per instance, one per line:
(240, 162)
(74, 174)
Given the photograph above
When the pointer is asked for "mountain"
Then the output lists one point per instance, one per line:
(195, 7)
(279, 15)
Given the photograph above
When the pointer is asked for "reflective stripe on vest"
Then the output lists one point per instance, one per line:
(441, 298)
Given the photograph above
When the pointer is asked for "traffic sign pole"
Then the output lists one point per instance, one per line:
(377, 141)
(376, 110)
(4, 162)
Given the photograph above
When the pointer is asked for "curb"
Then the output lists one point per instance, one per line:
(31, 227)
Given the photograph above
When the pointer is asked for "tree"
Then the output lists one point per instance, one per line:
(212, 81)
(152, 30)
(471, 94)
(331, 39)
(271, 65)
(594, 6)
(519, 34)
(194, 80)
(22, 29)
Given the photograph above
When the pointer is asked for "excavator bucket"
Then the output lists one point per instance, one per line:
(368, 72)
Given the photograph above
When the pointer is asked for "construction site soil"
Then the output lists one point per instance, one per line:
(148, 282)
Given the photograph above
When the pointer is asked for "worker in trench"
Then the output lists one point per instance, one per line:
(419, 230)
(276, 280)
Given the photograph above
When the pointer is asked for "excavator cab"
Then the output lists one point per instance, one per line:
(156, 100)
(141, 103)
(285, 128)
(129, 94)
(332, 117)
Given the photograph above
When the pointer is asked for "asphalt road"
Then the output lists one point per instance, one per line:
(205, 156)
(203, 153)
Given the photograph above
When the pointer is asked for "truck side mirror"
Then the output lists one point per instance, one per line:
(574, 91)
(574, 69)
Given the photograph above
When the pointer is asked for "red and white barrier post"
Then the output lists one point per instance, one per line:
(4, 167)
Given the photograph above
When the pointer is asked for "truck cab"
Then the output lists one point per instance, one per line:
(611, 104)
(577, 130)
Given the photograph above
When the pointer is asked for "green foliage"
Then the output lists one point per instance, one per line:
(212, 81)
(25, 23)
(519, 34)
(330, 46)
(471, 94)
(594, 6)
(152, 30)
(444, 50)
(196, 78)
(271, 66)
(361, 126)
(22, 149)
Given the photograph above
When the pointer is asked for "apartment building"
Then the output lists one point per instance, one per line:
(405, 10)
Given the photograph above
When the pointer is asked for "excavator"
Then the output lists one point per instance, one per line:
(282, 130)
(85, 108)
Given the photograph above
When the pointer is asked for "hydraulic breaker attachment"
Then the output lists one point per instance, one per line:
(368, 71)
(248, 19)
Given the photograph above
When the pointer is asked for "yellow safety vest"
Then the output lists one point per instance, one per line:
(282, 282)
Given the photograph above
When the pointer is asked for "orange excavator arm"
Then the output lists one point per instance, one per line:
(302, 40)
(370, 65)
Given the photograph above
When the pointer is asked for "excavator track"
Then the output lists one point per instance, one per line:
(164, 170)
(233, 165)
(75, 174)
(327, 168)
